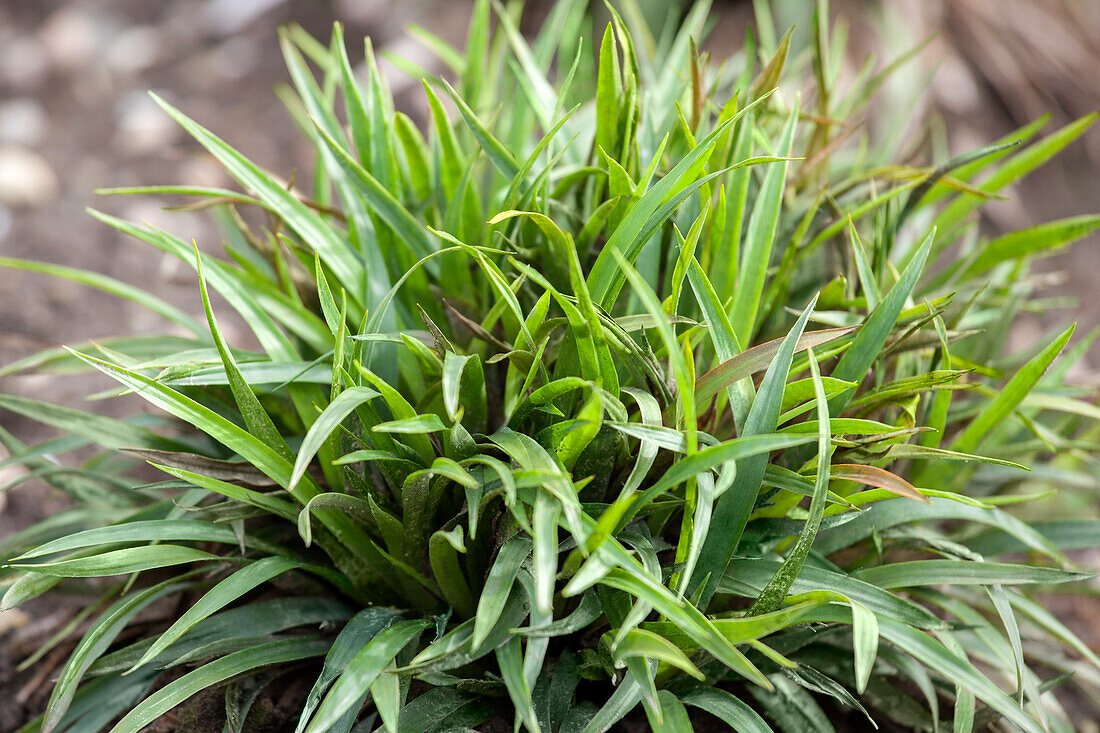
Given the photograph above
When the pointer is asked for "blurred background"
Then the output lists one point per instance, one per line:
(74, 116)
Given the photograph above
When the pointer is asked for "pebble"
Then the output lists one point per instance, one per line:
(71, 36)
(226, 17)
(364, 12)
(232, 60)
(22, 122)
(26, 179)
(23, 62)
(135, 49)
(203, 171)
(91, 171)
(13, 619)
(184, 225)
(5, 222)
(142, 126)
(956, 88)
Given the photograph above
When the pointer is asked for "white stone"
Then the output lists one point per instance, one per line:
(203, 171)
(13, 619)
(366, 12)
(23, 61)
(136, 49)
(227, 17)
(22, 122)
(143, 127)
(236, 58)
(26, 179)
(5, 222)
(71, 36)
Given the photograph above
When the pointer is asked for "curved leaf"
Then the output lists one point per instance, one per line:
(328, 421)
(222, 594)
(361, 672)
(213, 673)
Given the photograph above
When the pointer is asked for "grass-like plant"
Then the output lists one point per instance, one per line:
(633, 383)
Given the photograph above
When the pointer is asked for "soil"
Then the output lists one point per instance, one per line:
(74, 116)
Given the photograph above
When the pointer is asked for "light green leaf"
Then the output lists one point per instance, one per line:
(760, 236)
(216, 672)
(152, 530)
(674, 718)
(236, 585)
(255, 417)
(361, 672)
(954, 572)
(1037, 240)
(748, 577)
(308, 224)
(328, 421)
(605, 279)
(867, 344)
(497, 153)
(112, 286)
(411, 233)
(934, 655)
(98, 429)
(733, 508)
(25, 587)
(864, 643)
(776, 590)
(649, 645)
(727, 708)
(419, 425)
(357, 632)
(120, 562)
(498, 586)
(1007, 399)
(97, 640)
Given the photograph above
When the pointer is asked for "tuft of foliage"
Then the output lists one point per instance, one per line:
(629, 383)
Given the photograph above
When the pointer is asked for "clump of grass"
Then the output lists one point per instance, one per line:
(633, 383)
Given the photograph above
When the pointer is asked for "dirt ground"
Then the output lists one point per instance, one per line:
(74, 116)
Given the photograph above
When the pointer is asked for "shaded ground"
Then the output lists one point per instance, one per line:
(74, 116)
